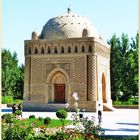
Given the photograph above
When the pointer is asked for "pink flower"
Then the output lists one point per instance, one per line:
(76, 98)
(74, 94)
(67, 105)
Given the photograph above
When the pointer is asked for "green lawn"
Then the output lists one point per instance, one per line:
(121, 138)
(129, 102)
(39, 123)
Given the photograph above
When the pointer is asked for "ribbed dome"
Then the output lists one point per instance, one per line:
(68, 26)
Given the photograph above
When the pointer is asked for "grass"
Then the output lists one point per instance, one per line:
(129, 102)
(40, 123)
(121, 138)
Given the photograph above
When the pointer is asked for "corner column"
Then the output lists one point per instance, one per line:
(94, 77)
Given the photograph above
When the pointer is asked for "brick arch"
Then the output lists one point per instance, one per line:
(90, 48)
(103, 88)
(29, 50)
(55, 49)
(83, 48)
(75, 49)
(62, 49)
(49, 48)
(36, 50)
(69, 49)
(57, 77)
(42, 50)
(50, 75)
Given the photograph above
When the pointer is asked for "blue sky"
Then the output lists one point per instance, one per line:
(20, 18)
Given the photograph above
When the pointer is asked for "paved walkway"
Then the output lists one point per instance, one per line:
(119, 122)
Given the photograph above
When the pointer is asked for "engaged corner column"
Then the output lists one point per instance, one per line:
(94, 77)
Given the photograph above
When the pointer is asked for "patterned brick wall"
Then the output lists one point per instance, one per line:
(27, 78)
(92, 78)
(77, 58)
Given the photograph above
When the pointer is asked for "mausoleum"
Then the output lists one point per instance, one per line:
(67, 56)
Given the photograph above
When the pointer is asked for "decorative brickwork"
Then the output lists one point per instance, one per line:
(102, 50)
(36, 75)
(75, 63)
(92, 80)
(27, 78)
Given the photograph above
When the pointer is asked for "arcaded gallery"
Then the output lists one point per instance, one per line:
(68, 56)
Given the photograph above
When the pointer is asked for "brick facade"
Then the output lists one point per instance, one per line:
(77, 62)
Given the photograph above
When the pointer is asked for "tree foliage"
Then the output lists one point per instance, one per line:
(12, 75)
(124, 67)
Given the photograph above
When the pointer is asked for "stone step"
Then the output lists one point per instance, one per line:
(40, 107)
(107, 107)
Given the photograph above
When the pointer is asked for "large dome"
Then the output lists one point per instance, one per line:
(70, 25)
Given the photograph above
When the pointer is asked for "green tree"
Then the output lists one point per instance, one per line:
(124, 67)
(132, 67)
(124, 74)
(115, 67)
(12, 75)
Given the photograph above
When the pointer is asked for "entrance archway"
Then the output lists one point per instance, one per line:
(57, 86)
(103, 88)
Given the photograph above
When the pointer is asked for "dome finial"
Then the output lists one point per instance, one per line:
(69, 9)
(34, 35)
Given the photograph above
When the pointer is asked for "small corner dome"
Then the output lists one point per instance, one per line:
(34, 35)
(70, 25)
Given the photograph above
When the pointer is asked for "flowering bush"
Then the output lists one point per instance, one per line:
(8, 118)
(90, 128)
(17, 133)
(85, 128)
(18, 112)
(75, 115)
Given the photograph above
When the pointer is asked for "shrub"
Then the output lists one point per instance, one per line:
(3, 116)
(7, 99)
(62, 114)
(17, 133)
(18, 112)
(47, 120)
(91, 129)
(40, 119)
(32, 117)
(9, 118)
(61, 136)
(41, 136)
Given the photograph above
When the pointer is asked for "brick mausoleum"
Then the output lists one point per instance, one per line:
(68, 56)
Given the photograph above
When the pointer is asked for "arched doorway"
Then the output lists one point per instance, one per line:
(57, 86)
(103, 88)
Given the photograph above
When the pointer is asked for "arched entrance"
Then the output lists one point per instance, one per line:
(57, 86)
(103, 88)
